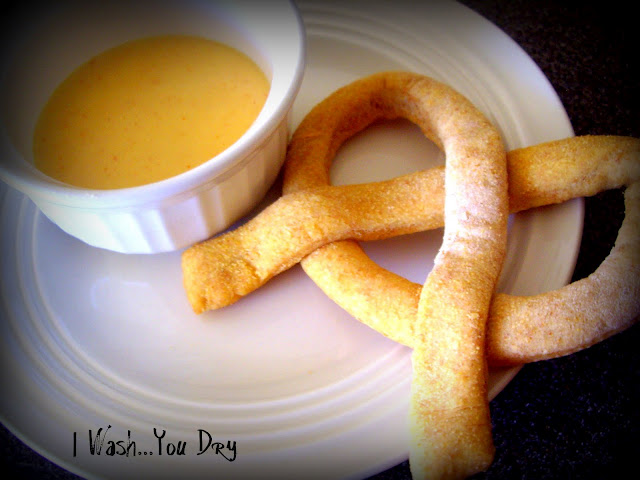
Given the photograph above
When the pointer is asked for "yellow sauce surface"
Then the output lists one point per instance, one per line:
(147, 110)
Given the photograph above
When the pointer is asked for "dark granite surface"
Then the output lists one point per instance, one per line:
(575, 417)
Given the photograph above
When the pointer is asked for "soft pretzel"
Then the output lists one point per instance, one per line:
(443, 320)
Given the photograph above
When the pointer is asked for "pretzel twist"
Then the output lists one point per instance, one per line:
(443, 320)
(520, 329)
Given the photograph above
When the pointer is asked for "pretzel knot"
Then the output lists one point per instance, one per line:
(444, 320)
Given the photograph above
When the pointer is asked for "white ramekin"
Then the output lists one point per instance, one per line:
(46, 45)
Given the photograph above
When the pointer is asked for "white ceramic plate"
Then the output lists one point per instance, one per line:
(91, 338)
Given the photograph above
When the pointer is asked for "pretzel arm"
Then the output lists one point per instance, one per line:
(221, 270)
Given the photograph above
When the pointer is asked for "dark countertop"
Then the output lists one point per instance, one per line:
(577, 416)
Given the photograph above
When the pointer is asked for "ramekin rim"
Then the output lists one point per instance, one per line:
(42, 187)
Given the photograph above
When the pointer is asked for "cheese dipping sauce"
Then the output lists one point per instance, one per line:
(147, 110)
